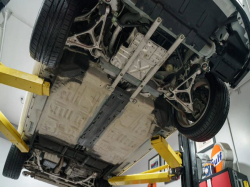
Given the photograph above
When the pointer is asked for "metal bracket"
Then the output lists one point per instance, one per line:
(152, 176)
(23, 81)
(172, 94)
(156, 68)
(74, 41)
(86, 16)
(136, 53)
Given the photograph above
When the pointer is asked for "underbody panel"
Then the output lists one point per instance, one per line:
(81, 111)
(71, 106)
(127, 132)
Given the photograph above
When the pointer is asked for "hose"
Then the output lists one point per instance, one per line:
(132, 17)
(128, 17)
(113, 39)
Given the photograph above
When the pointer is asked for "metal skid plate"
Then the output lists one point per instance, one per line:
(149, 57)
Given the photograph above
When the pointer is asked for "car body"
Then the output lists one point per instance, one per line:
(86, 130)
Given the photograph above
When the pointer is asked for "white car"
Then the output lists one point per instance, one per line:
(121, 72)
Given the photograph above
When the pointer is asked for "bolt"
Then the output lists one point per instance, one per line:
(121, 74)
(169, 68)
(159, 19)
(182, 36)
(133, 100)
(204, 66)
(198, 71)
(108, 87)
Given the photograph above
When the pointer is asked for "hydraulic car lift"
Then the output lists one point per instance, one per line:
(24, 81)
(179, 164)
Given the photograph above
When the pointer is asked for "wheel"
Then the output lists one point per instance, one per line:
(101, 183)
(51, 30)
(210, 105)
(14, 163)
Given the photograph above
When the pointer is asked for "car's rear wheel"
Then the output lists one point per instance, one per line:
(14, 163)
(51, 30)
(211, 102)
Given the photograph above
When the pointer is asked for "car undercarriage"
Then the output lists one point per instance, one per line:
(123, 71)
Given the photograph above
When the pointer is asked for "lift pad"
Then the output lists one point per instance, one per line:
(11, 134)
(165, 150)
(171, 157)
(24, 81)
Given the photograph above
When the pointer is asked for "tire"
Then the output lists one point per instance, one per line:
(51, 30)
(101, 183)
(14, 163)
(215, 115)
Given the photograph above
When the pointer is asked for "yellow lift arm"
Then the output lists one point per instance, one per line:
(167, 153)
(24, 81)
(152, 176)
(11, 133)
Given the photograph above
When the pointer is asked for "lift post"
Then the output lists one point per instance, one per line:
(24, 81)
(152, 176)
(11, 134)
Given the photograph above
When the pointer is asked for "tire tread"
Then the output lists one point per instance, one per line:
(51, 30)
(14, 163)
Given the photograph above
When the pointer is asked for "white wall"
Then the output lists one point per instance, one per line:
(15, 55)
(239, 118)
(25, 10)
(22, 181)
